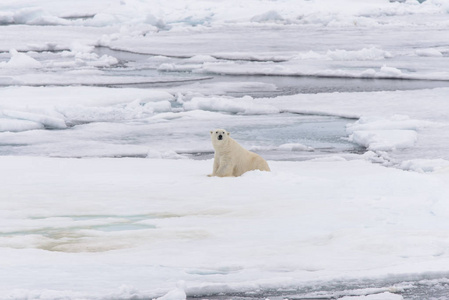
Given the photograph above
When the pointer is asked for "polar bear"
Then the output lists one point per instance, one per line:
(231, 159)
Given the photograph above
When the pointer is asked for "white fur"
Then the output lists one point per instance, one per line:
(231, 159)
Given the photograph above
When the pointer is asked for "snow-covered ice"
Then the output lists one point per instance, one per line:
(105, 112)
(89, 226)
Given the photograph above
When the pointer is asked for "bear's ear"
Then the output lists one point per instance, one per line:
(211, 132)
(229, 133)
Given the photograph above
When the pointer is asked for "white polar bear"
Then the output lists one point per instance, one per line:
(231, 159)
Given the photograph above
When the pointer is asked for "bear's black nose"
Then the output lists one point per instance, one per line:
(220, 137)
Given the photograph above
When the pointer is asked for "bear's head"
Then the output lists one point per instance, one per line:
(219, 136)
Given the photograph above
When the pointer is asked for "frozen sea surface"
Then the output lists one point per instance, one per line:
(132, 228)
(105, 113)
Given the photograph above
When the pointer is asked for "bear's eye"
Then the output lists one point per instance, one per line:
(216, 132)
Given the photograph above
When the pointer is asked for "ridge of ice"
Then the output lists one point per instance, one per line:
(20, 61)
(236, 106)
(175, 294)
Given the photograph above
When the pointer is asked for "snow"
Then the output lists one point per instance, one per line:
(55, 107)
(363, 54)
(270, 16)
(176, 294)
(46, 121)
(14, 125)
(238, 106)
(20, 60)
(105, 112)
(425, 165)
(382, 296)
(295, 147)
(140, 223)
(384, 140)
(429, 52)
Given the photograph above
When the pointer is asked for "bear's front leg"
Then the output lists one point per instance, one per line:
(215, 168)
(225, 170)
